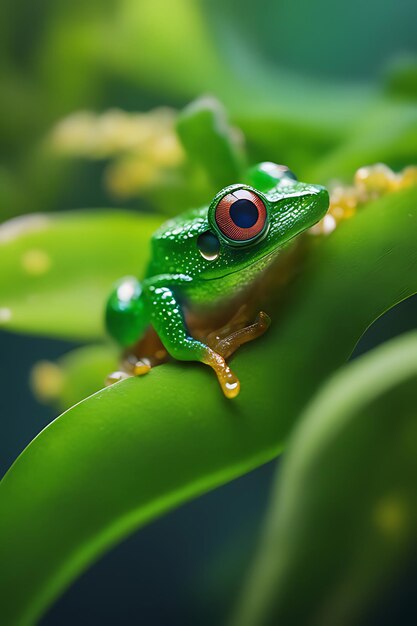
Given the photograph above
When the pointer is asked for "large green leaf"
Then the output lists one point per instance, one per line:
(343, 519)
(139, 448)
(56, 270)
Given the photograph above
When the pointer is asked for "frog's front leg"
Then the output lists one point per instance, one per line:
(168, 320)
(126, 318)
(126, 321)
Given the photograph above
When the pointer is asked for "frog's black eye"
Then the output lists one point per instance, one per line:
(241, 215)
(209, 245)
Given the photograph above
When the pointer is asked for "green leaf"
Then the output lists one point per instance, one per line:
(137, 449)
(210, 141)
(57, 270)
(343, 519)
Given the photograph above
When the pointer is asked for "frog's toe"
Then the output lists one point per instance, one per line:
(227, 345)
(116, 377)
(231, 388)
(263, 320)
(142, 367)
(229, 382)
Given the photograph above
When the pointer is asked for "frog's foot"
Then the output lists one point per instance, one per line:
(226, 341)
(137, 365)
(228, 380)
(136, 368)
(116, 377)
(133, 366)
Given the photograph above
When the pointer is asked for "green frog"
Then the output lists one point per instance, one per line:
(203, 268)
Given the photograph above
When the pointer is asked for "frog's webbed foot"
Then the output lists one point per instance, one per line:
(139, 366)
(116, 377)
(134, 368)
(226, 340)
(132, 364)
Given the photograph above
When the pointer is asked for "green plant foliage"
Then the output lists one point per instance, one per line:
(88, 57)
(401, 77)
(343, 519)
(60, 269)
(106, 465)
(206, 135)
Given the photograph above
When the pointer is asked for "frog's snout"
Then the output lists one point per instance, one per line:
(300, 212)
(319, 203)
(313, 207)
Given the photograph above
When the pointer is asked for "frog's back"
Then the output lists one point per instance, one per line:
(172, 239)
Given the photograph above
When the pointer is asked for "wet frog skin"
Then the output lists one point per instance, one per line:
(203, 260)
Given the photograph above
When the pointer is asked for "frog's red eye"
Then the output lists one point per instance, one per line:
(241, 215)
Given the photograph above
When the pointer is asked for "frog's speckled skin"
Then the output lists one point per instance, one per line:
(180, 279)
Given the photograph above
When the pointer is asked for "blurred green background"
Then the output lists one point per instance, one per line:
(296, 79)
(310, 85)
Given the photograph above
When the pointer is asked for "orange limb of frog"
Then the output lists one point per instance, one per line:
(135, 363)
(221, 344)
(229, 382)
(226, 340)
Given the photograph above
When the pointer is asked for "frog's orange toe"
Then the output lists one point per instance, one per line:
(263, 322)
(141, 367)
(115, 377)
(229, 383)
(231, 389)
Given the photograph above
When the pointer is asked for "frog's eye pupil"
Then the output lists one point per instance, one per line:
(209, 246)
(244, 213)
(241, 216)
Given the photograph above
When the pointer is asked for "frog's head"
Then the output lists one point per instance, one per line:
(248, 223)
